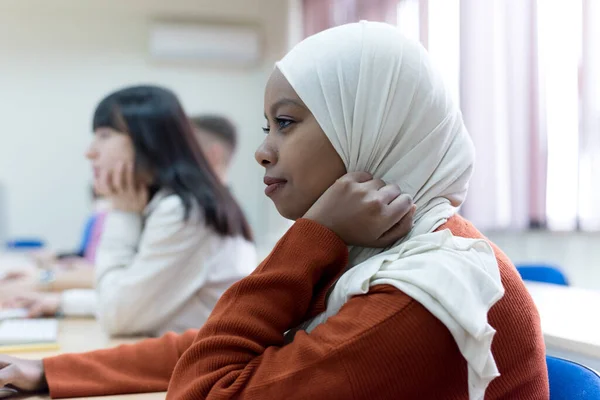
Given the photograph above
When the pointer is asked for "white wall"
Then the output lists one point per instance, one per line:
(58, 58)
(578, 254)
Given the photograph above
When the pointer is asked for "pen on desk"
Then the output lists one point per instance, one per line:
(29, 348)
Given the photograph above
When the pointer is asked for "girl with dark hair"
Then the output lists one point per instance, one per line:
(174, 240)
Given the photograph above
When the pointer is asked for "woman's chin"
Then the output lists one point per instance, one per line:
(288, 212)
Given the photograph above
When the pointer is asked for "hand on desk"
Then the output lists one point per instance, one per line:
(9, 289)
(18, 273)
(25, 375)
(78, 275)
(39, 304)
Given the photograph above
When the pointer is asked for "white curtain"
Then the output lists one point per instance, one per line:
(322, 14)
(487, 53)
(589, 172)
(559, 42)
(530, 93)
(526, 75)
(500, 103)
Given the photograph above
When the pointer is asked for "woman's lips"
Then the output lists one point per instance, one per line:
(273, 185)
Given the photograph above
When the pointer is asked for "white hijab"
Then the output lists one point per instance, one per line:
(386, 111)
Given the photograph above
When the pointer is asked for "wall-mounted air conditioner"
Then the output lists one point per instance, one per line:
(205, 43)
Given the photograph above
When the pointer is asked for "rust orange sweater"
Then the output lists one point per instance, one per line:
(382, 345)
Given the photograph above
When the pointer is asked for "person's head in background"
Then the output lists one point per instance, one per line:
(143, 138)
(218, 139)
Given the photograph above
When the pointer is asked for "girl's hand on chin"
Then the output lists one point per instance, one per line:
(122, 188)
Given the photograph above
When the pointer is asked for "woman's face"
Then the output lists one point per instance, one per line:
(300, 163)
(108, 149)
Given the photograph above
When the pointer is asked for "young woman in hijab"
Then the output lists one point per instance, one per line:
(440, 313)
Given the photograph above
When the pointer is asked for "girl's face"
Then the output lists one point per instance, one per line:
(300, 163)
(107, 150)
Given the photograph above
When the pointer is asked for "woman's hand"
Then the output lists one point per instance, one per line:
(19, 275)
(12, 288)
(364, 211)
(122, 189)
(37, 304)
(25, 375)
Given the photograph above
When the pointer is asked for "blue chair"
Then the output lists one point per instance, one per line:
(572, 381)
(25, 244)
(542, 273)
(87, 233)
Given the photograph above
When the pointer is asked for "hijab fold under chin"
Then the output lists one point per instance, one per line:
(386, 111)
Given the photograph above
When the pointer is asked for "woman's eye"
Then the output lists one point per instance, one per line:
(283, 123)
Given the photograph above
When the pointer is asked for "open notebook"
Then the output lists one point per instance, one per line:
(20, 335)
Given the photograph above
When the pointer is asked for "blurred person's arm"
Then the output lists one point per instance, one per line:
(42, 296)
(70, 303)
(143, 276)
(77, 303)
(79, 277)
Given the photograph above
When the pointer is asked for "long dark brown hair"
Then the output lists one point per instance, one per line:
(165, 146)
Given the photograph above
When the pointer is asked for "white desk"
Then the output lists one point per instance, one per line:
(141, 396)
(79, 335)
(570, 321)
(75, 335)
